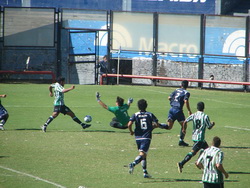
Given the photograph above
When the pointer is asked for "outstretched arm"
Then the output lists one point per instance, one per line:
(69, 89)
(130, 101)
(98, 98)
(102, 104)
(3, 96)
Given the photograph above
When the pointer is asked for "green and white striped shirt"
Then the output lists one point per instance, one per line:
(200, 123)
(59, 95)
(209, 158)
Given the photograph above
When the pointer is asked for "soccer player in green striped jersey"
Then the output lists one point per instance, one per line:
(211, 163)
(200, 121)
(59, 106)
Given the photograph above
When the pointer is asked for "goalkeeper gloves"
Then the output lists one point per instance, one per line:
(130, 100)
(98, 96)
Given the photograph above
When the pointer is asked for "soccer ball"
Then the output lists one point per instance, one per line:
(87, 118)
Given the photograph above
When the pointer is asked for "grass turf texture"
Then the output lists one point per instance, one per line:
(68, 156)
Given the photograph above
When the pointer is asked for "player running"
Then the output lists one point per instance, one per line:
(145, 122)
(211, 161)
(3, 113)
(177, 100)
(200, 121)
(59, 106)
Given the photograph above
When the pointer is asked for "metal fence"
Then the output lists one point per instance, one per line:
(175, 45)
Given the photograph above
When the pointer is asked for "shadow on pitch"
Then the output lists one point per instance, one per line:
(4, 157)
(231, 172)
(53, 130)
(166, 180)
(104, 131)
(235, 147)
(84, 130)
(163, 180)
(116, 130)
(26, 129)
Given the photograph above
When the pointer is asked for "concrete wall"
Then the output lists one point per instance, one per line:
(165, 68)
(81, 73)
(40, 60)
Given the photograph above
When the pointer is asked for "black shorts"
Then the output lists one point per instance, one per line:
(213, 185)
(116, 124)
(200, 145)
(62, 109)
(143, 145)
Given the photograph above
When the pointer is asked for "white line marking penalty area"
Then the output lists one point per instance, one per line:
(245, 129)
(35, 177)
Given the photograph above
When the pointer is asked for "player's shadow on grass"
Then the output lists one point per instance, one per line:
(4, 157)
(53, 130)
(28, 129)
(166, 180)
(104, 131)
(157, 180)
(231, 172)
(116, 131)
(235, 147)
(160, 132)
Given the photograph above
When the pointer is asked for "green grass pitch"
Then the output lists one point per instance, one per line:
(67, 156)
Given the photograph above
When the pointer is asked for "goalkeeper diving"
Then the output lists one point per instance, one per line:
(120, 111)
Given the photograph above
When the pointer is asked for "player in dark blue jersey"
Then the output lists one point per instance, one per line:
(4, 115)
(178, 99)
(145, 122)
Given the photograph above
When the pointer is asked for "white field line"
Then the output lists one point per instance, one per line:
(35, 177)
(245, 129)
(51, 106)
(192, 96)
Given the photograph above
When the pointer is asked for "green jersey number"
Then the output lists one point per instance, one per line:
(209, 160)
(197, 123)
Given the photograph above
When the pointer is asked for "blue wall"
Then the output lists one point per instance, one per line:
(79, 4)
(168, 6)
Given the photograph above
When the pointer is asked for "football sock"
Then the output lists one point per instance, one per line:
(2, 122)
(4, 119)
(137, 160)
(163, 126)
(187, 158)
(144, 165)
(49, 121)
(77, 120)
